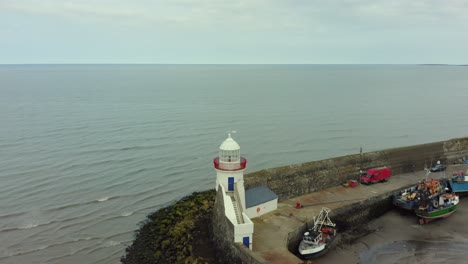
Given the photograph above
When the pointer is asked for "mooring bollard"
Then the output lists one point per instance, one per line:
(298, 205)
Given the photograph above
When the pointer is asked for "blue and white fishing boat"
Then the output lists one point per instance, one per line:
(410, 198)
(459, 182)
(317, 240)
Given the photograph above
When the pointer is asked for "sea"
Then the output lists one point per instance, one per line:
(88, 151)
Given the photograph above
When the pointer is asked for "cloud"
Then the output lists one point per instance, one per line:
(73, 9)
(200, 28)
(250, 15)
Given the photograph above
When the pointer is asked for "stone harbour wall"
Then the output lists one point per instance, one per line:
(347, 218)
(295, 180)
(299, 179)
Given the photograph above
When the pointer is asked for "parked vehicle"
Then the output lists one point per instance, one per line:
(376, 175)
(438, 167)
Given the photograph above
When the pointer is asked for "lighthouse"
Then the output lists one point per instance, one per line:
(239, 205)
(230, 166)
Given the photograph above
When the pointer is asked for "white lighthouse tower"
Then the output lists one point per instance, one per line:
(230, 168)
(239, 205)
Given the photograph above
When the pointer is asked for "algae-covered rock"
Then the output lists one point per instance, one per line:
(178, 233)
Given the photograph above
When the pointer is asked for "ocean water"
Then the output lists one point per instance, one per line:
(87, 151)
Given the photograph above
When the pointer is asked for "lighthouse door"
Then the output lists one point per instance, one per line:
(231, 184)
(246, 241)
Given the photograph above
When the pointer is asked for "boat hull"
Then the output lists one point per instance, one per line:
(458, 187)
(310, 253)
(436, 214)
(406, 205)
(402, 201)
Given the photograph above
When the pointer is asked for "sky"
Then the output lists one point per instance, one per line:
(234, 31)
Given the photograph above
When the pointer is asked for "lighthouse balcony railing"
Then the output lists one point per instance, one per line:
(230, 166)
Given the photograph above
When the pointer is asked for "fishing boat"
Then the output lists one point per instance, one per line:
(459, 182)
(317, 240)
(438, 206)
(410, 198)
(407, 199)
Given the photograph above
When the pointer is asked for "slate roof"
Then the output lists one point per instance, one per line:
(258, 195)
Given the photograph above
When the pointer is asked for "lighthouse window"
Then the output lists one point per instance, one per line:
(229, 155)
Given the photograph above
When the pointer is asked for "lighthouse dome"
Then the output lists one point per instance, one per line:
(229, 151)
(229, 158)
(229, 144)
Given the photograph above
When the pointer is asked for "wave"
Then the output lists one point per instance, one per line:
(337, 137)
(29, 225)
(338, 130)
(125, 214)
(400, 136)
(128, 233)
(51, 245)
(74, 166)
(103, 199)
(113, 150)
(100, 200)
(107, 244)
(9, 144)
(12, 215)
(111, 243)
(62, 227)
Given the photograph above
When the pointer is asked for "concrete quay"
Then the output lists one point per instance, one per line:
(273, 230)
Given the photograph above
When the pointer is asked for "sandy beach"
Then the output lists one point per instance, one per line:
(396, 237)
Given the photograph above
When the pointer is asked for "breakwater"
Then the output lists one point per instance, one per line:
(306, 178)
(295, 180)
(298, 179)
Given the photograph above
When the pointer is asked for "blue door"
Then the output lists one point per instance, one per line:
(231, 184)
(245, 241)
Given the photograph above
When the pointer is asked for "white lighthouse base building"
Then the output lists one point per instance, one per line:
(240, 205)
(259, 201)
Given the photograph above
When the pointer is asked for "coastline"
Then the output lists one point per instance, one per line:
(178, 233)
(375, 202)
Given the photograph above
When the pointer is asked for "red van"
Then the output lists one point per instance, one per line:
(376, 175)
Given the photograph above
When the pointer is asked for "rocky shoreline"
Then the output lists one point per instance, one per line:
(179, 233)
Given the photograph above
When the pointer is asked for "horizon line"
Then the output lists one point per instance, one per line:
(227, 64)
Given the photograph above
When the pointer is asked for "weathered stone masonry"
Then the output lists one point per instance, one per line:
(299, 179)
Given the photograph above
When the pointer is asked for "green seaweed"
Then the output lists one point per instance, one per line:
(175, 234)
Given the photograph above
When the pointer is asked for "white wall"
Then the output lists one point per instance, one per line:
(240, 193)
(240, 230)
(266, 207)
(244, 230)
(228, 207)
(222, 178)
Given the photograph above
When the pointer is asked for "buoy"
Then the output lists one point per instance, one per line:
(298, 205)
